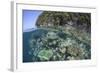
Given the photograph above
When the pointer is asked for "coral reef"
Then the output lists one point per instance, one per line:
(56, 44)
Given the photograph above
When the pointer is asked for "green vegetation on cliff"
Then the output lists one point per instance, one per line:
(77, 20)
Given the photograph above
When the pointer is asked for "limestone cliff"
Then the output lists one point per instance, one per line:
(78, 20)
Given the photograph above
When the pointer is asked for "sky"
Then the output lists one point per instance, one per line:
(29, 18)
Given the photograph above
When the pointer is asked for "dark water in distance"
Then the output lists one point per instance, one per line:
(26, 47)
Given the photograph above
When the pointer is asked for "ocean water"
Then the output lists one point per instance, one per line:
(26, 47)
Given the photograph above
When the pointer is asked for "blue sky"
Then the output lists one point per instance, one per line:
(29, 18)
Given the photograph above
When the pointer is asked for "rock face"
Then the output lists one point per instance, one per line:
(78, 20)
